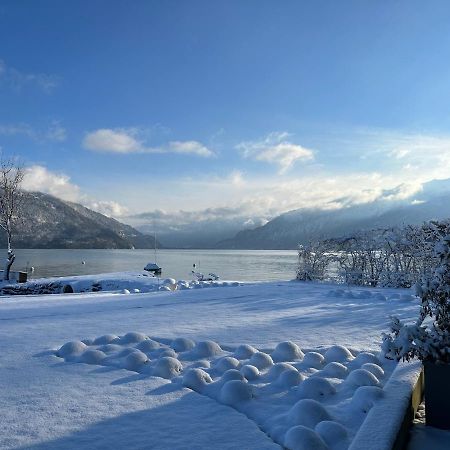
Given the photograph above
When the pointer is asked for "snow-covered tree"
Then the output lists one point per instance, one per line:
(11, 177)
(429, 338)
(395, 257)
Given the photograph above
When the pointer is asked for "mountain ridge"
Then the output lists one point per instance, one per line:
(49, 222)
(295, 227)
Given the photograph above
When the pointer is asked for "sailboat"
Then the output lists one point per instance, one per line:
(153, 267)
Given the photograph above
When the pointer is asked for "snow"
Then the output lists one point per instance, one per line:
(303, 438)
(379, 430)
(124, 283)
(287, 351)
(254, 366)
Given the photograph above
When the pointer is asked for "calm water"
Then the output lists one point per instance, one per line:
(246, 265)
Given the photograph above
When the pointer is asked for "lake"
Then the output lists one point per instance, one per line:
(245, 265)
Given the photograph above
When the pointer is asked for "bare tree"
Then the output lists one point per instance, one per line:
(11, 177)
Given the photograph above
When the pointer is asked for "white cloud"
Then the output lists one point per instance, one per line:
(276, 148)
(114, 141)
(53, 132)
(13, 129)
(17, 80)
(129, 140)
(107, 208)
(192, 147)
(39, 178)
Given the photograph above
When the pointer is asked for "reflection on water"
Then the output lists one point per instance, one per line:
(246, 265)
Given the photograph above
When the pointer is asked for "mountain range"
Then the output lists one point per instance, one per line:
(301, 226)
(48, 222)
(287, 230)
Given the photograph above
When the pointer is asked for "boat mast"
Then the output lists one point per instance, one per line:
(155, 243)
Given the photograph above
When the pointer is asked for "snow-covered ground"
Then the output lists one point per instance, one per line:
(194, 368)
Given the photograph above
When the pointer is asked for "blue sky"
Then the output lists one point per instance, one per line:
(257, 107)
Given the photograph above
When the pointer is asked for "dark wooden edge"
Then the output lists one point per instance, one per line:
(401, 441)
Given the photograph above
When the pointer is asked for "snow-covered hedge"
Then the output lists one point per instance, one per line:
(396, 257)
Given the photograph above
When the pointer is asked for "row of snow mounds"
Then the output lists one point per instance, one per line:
(302, 400)
(366, 294)
(170, 284)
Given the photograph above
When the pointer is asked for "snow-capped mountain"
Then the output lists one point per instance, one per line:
(288, 230)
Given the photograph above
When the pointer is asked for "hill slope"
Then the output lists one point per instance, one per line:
(49, 222)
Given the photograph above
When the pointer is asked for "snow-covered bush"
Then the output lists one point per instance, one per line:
(429, 338)
(313, 261)
(395, 257)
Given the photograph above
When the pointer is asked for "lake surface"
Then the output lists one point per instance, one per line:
(245, 265)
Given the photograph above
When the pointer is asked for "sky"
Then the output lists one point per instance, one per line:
(225, 108)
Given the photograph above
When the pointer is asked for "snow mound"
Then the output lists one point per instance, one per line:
(333, 433)
(226, 363)
(167, 367)
(196, 379)
(250, 372)
(277, 432)
(126, 351)
(365, 397)
(365, 357)
(277, 369)
(244, 351)
(303, 438)
(167, 352)
(335, 370)
(234, 392)
(261, 360)
(125, 291)
(149, 345)
(375, 369)
(231, 375)
(106, 339)
(308, 413)
(205, 349)
(314, 360)
(289, 378)
(164, 288)
(132, 338)
(362, 377)
(70, 349)
(110, 348)
(316, 388)
(135, 360)
(169, 281)
(338, 353)
(182, 344)
(201, 364)
(287, 351)
(92, 356)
